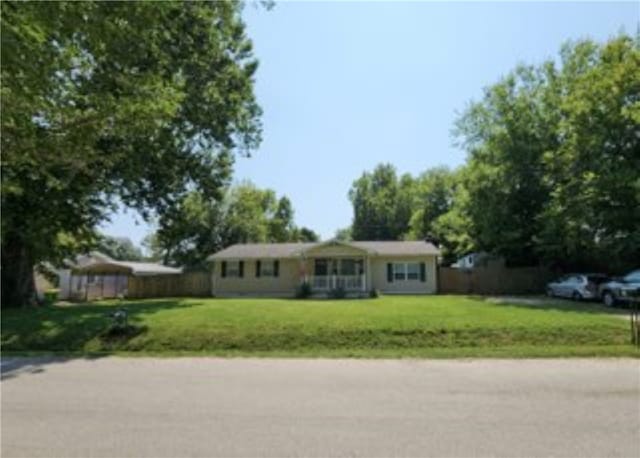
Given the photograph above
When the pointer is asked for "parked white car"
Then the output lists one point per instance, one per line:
(617, 289)
(577, 286)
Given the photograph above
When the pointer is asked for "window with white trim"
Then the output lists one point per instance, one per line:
(399, 270)
(267, 268)
(233, 269)
(413, 271)
(406, 271)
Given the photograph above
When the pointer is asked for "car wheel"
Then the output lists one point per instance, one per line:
(576, 296)
(549, 292)
(608, 299)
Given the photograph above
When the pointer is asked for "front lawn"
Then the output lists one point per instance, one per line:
(389, 326)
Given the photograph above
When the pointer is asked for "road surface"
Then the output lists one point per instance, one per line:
(146, 407)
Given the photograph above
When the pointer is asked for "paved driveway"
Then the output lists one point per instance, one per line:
(146, 407)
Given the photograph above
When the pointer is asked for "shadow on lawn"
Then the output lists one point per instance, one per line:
(70, 328)
(546, 303)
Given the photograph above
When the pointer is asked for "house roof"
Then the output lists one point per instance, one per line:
(398, 248)
(293, 250)
(82, 260)
(262, 250)
(149, 268)
(137, 269)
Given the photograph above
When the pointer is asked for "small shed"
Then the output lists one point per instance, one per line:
(110, 278)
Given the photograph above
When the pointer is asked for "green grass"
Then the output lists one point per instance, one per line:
(389, 326)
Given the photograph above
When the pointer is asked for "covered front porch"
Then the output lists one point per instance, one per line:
(336, 266)
(346, 273)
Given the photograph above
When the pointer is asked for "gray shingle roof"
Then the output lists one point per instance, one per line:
(129, 267)
(400, 248)
(262, 250)
(149, 268)
(292, 250)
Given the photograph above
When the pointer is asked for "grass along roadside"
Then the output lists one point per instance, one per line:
(389, 326)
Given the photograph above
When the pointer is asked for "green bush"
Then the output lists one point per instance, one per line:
(303, 290)
(373, 293)
(51, 296)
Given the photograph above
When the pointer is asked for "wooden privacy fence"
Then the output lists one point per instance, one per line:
(194, 284)
(493, 279)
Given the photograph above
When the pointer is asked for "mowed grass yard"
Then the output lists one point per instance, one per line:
(388, 326)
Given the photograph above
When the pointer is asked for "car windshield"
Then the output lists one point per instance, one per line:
(633, 276)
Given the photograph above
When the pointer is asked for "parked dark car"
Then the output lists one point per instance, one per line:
(618, 289)
(577, 286)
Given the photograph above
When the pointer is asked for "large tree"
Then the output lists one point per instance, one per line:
(120, 248)
(382, 204)
(592, 218)
(343, 234)
(554, 160)
(281, 225)
(198, 226)
(189, 232)
(304, 234)
(434, 218)
(114, 102)
(507, 134)
(434, 192)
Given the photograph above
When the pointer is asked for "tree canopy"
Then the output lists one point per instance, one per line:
(382, 204)
(554, 160)
(343, 234)
(106, 102)
(388, 207)
(552, 174)
(120, 248)
(199, 227)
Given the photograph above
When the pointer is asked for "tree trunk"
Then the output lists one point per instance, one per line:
(18, 283)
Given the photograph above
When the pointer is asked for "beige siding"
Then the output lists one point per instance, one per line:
(379, 276)
(282, 285)
(291, 269)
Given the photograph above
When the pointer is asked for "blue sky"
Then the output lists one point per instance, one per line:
(345, 86)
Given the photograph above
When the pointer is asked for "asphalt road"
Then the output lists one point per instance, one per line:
(144, 407)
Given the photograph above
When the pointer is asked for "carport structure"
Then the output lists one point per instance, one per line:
(110, 279)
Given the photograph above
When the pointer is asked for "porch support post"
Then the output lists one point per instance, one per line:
(363, 275)
(367, 272)
(213, 278)
(303, 268)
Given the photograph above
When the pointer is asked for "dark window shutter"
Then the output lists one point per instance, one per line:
(241, 268)
(276, 268)
(390, 272)
(223, 268)
(423, 272)
(257, 268)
